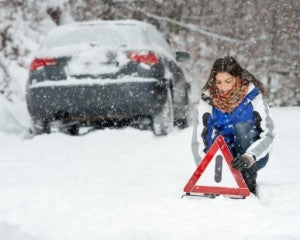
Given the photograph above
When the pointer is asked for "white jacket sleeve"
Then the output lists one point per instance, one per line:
(198, 144)
(262, 146)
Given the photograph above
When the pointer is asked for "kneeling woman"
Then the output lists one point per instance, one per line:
(232, 105)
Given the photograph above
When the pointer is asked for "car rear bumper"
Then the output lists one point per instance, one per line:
(90, 99)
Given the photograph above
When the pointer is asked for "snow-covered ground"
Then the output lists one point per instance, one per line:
(127, 184)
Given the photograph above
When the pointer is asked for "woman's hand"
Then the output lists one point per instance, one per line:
(242, 162)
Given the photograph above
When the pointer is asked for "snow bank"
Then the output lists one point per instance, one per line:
(14, 118)
(12, 232)
(126, 184)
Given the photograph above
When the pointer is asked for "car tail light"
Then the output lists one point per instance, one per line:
(42, 62)
(147, 57)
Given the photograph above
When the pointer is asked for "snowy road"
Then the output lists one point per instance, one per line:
(126, 184)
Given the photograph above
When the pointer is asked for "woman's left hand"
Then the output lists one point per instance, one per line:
(242, 162)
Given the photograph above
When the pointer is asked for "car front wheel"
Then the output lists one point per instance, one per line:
(164, 120)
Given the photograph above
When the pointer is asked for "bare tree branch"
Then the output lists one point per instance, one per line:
(192, 27)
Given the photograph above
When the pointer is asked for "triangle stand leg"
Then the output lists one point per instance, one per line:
(200, 195)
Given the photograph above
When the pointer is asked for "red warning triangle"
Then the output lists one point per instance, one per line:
(217, 177)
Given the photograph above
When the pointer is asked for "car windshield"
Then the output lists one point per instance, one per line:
(117, 35)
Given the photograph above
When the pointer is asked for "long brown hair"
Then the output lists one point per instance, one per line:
(230, 65)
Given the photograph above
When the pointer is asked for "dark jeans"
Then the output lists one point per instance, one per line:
(244, 136)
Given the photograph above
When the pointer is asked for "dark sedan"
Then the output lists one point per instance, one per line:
(91, 72)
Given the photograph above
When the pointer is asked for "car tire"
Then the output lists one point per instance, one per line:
(73, 129)
(40, 127)
(163, 122)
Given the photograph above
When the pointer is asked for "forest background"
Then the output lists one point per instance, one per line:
(263, 35)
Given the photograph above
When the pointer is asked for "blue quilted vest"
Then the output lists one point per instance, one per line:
(224, 123)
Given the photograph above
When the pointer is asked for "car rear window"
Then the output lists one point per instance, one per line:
(116, 35)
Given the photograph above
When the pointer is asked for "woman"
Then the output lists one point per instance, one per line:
(232, 105)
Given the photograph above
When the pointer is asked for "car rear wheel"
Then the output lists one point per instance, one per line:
(40, 127)
(73, 129)
(163, 121)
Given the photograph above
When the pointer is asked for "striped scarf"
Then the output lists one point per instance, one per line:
(229, 101)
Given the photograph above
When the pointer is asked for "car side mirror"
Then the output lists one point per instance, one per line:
(182, 56)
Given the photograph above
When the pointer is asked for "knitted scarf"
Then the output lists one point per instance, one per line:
(229, 101)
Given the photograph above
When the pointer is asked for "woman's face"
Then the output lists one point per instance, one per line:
(224, 82)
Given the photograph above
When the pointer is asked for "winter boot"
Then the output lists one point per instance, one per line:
(250, 176)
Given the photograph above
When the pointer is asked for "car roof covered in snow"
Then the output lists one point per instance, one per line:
(123, 34)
